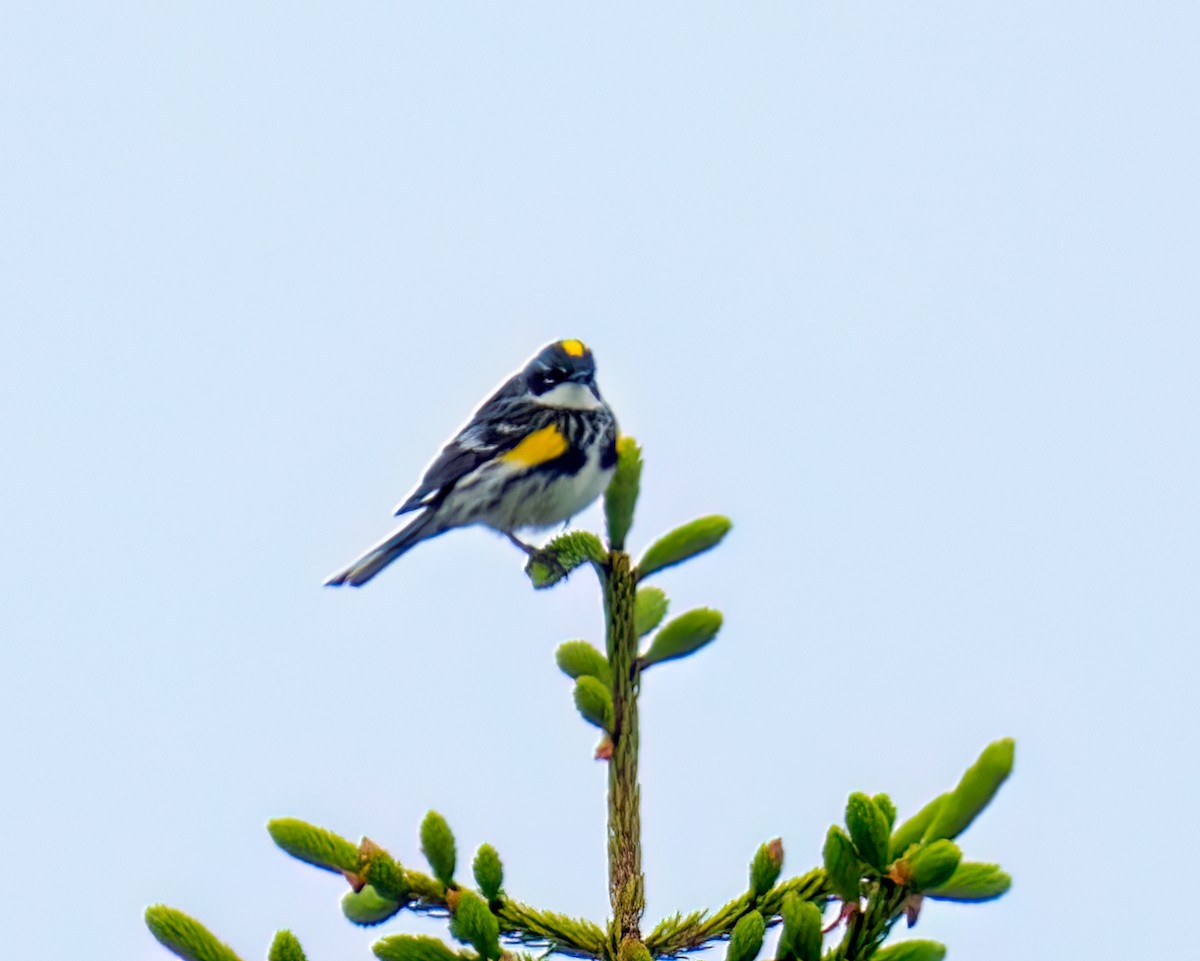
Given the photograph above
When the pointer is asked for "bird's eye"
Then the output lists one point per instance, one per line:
(551, 377)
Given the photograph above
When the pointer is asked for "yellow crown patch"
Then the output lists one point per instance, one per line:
(574, 348)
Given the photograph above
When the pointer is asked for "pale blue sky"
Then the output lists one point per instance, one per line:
(908, 290)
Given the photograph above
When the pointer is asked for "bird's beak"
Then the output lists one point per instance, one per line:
(588, 380)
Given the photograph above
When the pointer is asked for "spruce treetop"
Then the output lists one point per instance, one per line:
(874, 871)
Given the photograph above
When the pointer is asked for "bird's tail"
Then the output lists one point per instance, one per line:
(376, 558)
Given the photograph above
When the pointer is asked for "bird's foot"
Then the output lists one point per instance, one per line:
(527, 548)
(543, 566)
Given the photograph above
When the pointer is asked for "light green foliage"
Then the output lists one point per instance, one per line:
(801, 937)
(682, 636)
(977, 787)
(437, 844)
(488, 871)
(285, 947)
(912, 951)
(746, 940)
(581, 659)
(933, 864)
(622, 494)
(695, 537)
(383, 872)
(475, 925)
(884, 803)
(842, 865)
(868, 829)
(765, 867)
(594, 702)
(562, 555)
(413, 947)
(314, 845)
(912, 830)
(185, 936)
(878, 869)
(649, 609)
(584, 936)
(633, 950)
(972, 881)
(368, 907)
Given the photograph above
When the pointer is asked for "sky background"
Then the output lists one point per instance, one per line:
(909, 291)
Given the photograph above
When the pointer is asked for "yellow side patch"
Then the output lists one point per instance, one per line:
(540, 446)
(574, 348)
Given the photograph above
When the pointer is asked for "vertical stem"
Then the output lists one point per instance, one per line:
(866, 930)
(626, 884)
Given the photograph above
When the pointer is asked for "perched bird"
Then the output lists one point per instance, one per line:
(539, 450)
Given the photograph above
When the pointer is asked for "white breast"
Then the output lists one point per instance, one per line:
(567, 496)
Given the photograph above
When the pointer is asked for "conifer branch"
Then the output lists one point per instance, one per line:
(679, 935)
(575, 936)
(866, 929)
(893, 867)
(518, 921)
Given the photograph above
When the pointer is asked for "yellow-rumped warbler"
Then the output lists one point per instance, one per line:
(538, 451)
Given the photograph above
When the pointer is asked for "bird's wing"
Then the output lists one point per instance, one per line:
(498, 426)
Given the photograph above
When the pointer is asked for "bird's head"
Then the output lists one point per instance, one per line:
(564, 375)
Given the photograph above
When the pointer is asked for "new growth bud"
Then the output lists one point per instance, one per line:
(765, 867)
(977, 787)
(314, 845)
(972, 881)
(285, 947)
(381, 871)
(868, 829)
(801, 937)
(695, 537)
(912, 830)
(746, 940)
(650, 607)
(594, 703)
(437, 844)
(622, 494)
(548, 566)
(367, 907)
(842, 865)
(884, 803)
(488, 871)
(933, 864)
(580, 659)
(474, 924)
(682, 636)
(185, 936)
(912, 951)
